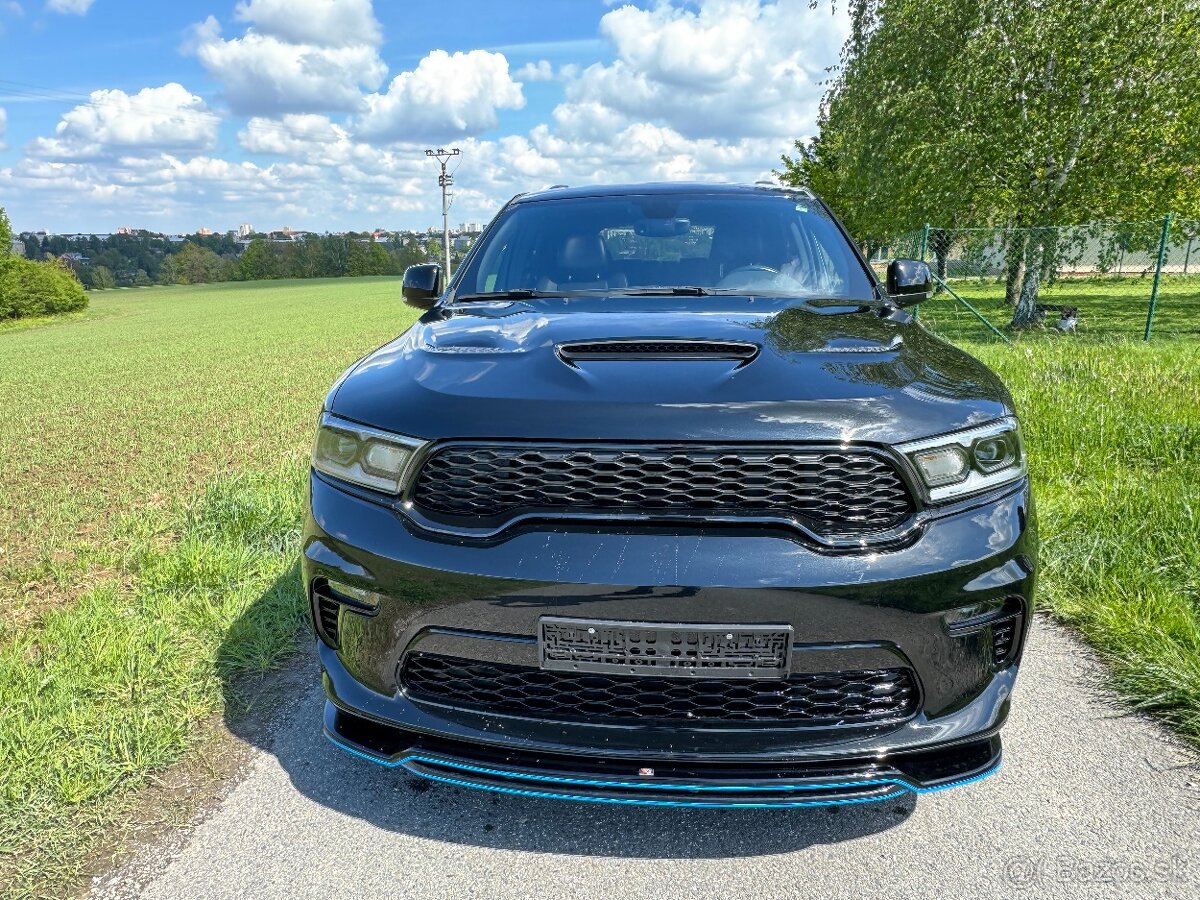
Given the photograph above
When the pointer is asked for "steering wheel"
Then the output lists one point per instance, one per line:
(753, 267)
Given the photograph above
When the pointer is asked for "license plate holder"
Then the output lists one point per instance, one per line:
(674, 650)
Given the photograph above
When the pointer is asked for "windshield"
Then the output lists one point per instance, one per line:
(760, 243)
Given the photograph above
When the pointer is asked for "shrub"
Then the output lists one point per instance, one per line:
(30, 288)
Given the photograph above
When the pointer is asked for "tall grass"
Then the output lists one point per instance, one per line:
(1113, 434)
(105, 692)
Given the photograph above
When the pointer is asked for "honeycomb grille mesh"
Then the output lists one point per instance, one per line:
(857, 697)
(658, 349)
(834, 492)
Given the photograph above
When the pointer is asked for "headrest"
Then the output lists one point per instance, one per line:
(582, 251)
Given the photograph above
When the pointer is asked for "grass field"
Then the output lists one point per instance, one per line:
(154, 454)
(1109, 308)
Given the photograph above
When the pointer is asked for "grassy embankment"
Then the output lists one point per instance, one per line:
(153, 460)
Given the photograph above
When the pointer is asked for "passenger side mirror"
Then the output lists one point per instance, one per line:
(422, 285)
(909, 281)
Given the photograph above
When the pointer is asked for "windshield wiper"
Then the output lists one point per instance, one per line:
(861, 303)
(515, 294)
(683, 291)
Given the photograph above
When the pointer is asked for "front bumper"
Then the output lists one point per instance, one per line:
(482, 601)
(691, 784)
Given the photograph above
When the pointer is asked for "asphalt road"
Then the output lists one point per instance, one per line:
(1091, 802)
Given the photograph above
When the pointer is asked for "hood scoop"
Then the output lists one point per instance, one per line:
(657, 349)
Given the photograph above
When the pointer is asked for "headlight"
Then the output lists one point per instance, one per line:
(966, 462)
(366, 456)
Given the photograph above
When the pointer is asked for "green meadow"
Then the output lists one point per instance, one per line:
(154, 454)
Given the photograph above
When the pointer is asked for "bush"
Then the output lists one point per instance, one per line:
(30, 288)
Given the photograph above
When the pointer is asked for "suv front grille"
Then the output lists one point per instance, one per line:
(811, 699)
(842, 491)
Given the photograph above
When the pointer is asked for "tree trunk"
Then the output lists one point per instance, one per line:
(1014, 267)
(1025, 315)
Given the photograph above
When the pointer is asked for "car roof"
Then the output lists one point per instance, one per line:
(563, 192)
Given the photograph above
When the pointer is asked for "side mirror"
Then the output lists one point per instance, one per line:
(909, 281)
(422, 285)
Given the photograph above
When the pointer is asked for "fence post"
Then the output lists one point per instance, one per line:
(924, 252)
(1158, 267)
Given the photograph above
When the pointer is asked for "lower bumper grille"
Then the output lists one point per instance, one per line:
(810, 699)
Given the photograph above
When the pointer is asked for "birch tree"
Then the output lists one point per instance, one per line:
(1012, 113)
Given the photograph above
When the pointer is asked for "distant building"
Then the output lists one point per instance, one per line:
(245, 230)
(17, 248)
(204, 232)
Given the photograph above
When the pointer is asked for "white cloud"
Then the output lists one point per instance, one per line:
(730, 68)
(154, 119)
(448, 96)
(297, 134)
(535, 71)
(69, 7)
(696, 89)
(325, 23)
(295, 56)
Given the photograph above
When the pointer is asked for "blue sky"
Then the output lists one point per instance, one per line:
(314, 113)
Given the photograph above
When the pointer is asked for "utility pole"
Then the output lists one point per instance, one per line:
(445, 181)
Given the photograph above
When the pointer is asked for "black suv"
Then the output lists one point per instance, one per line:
(665, 500)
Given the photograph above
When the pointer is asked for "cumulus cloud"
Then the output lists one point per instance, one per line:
(733, 68)
(325, 23)
(447, 96)
(295, 55)
(69, 7)
(695, 89)
(535, 71)
(298, 134)
(168, 118)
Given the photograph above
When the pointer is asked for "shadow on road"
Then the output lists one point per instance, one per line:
(394, 801)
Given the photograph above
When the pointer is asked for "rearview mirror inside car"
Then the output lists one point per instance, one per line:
(661, 228)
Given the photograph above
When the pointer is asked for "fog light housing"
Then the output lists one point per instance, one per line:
(349, 595)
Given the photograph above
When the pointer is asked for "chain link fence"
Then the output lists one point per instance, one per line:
(1131, 279)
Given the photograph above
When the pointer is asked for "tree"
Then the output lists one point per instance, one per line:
(100, 278)
(255, 262)
(5, 233)
(1017, 113)
(29, 288)
(199, 265)
(366, 258)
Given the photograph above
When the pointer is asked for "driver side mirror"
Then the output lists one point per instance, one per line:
(909, 281)
(422, 285)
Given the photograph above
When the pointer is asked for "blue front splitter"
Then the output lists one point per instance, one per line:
(882, 788)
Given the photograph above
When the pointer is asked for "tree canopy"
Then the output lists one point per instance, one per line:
(1010, 113)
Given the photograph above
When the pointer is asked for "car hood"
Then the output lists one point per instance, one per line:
(493, 370)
